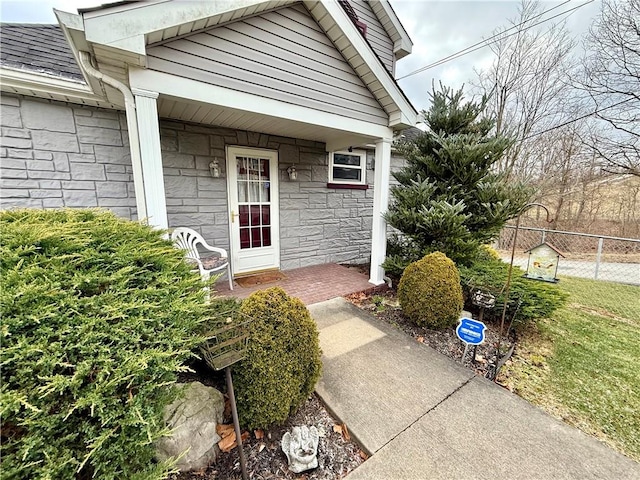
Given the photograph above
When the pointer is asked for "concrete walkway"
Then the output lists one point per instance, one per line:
(421, 415)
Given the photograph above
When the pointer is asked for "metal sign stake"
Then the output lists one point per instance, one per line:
(224, 347)
(236, 422)
(464, 354)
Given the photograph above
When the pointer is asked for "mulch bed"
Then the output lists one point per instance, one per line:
(337, 453)
(384, 305)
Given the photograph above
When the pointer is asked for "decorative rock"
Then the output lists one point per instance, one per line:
(301, 448)
(192, 420)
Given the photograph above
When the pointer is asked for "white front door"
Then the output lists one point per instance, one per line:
(252, 176)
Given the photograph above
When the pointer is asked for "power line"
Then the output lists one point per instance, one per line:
(487, 42)
(595, 112)
(497, 37)
(486, 39)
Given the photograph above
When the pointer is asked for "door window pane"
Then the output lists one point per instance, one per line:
(241, 163)
(244, 238)
(244, 215)
(266, 215)
(255, 237)
(264, 168)
(255, 215)
(265, 192)
(266, 236)
(243, 193)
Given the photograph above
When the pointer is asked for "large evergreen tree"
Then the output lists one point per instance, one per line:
(449, 198)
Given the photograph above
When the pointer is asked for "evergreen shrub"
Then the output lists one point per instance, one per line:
(283, 362)
(98, 315)
(529, 300)
(450, 196)
(429, 292)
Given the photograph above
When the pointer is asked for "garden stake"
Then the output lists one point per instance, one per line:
(482, 300)
(224, 347)
(236, 422)
(508, 284)
(475, 347)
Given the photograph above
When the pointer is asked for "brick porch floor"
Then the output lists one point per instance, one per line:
(310, 284)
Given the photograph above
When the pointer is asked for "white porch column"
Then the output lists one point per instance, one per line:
(380, 204)
(151, 156)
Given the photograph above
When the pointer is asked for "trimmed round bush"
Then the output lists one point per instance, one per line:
(98, 315)
(430, 293)
(283, 362)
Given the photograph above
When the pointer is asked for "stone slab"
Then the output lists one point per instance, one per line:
(485, 432)
(381, 381)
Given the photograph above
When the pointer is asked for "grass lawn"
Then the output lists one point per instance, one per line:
(583, 365)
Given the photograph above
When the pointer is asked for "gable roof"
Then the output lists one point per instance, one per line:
(283, 55)
(118, 35)
(38, 48)
(545, 244)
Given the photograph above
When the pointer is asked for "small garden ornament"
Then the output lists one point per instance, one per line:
(301, 448)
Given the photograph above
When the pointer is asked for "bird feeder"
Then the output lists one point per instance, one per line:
(543, 263)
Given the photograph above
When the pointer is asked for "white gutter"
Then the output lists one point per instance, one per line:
(132, 123)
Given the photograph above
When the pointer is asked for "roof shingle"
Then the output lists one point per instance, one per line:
(37, 48)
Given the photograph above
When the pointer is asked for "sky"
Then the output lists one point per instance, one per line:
(437, 28)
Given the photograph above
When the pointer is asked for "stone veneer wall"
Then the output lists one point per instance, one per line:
(63, 155)
(317, 224)
(60, 155)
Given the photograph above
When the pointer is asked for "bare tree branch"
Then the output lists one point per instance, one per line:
(528, 79)
(611, 74)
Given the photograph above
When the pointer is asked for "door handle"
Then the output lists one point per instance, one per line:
(233, 216)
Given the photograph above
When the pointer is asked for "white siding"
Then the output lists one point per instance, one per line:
(377, 36)
(282, 55)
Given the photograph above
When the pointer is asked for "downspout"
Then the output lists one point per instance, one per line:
(132, 123)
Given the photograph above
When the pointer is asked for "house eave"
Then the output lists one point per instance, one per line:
(339, 129)
(402, 44)
(337, 25)
(118, 37)
(72, 27)
(24, 82)
(132, 26)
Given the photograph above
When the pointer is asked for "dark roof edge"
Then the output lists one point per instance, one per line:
(104, 6)
(28, 24)
(401, 25)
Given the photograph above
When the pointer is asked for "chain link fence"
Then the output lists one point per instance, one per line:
(599, 258)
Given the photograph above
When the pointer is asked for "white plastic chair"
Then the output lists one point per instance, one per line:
(189, 240)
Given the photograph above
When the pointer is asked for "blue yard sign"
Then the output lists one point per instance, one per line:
(471, 331)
